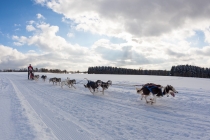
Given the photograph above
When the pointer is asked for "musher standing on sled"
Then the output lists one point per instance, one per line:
(30, 69)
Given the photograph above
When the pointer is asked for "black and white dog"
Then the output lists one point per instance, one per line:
(53, 80)
(156, 91)
(36, 77)
(44, 77)
(105, 85)
(68, 82)
(92, 86)
(58, 80)
(169, 89)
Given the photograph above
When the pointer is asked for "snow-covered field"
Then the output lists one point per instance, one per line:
(43, 111)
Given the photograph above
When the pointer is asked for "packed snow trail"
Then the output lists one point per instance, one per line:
(41, 110)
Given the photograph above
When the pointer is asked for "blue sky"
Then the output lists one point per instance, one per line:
(16, 14)
(75, 35)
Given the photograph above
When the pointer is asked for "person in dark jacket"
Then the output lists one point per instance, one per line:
(30, 70)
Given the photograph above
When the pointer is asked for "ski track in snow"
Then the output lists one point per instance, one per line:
(41, 110)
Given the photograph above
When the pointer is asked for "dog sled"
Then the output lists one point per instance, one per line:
(31, 76)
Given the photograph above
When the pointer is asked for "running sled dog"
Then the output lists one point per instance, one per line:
(93, 86)
(55, 80)
(151, 89)
(44, 77)
(52, 80)
(105, 85)
(69, 83)
(36, 77)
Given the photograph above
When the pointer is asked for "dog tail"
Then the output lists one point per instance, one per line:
(138, 90)
(87, 80)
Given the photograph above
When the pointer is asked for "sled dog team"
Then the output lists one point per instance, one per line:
(147, 90)
(91, 85)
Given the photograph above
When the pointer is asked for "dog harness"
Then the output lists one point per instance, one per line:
(151, 87)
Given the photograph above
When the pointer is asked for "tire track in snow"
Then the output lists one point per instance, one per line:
(62, 129)
(41, 129)
(6, 124)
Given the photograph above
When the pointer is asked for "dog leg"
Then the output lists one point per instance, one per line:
(154, 100)
(91, 91)
(95, 90)
(146, 99)
(74, 86)
(142, 96)
(69, 85)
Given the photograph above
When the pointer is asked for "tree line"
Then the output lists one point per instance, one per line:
(42, 70)
(179, 70)
(36, 70)
(190, 71)
(115, 70)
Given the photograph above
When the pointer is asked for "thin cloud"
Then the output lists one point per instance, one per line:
(17, 25)
(40, 16)
(30, 28)
(70, 35)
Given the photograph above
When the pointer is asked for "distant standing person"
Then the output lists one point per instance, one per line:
(30, 69)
